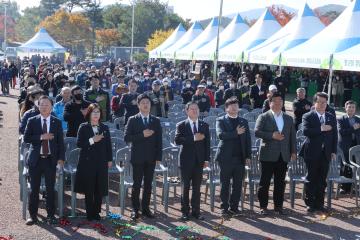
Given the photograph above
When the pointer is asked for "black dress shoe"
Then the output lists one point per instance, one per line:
(97, 217)
(148, 214)
(235, 211)
(264, 212)
(31, 221)
(323, 210)
(280, 211)
(185, 217)
(134, 215)
(198, 216)
(310, 209)
(51, 220)
(225, 213)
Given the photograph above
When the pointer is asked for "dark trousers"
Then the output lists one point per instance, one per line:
(191, 175)
(143, 171)
(93, 201)
(235, 172)
(43, 167)
(316, 181)
(5, 86)
(278, 170)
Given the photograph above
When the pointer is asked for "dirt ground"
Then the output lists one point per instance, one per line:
(342, 223)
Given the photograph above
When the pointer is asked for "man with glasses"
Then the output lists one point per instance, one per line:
(318, 150)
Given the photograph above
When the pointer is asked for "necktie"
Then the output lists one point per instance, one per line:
(146, 121)
(45, 143)
(322, 120)
(194, 128)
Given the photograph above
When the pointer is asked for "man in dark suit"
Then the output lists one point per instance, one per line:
(233, 92)
(234, 150)
(44, 133)
(277, 131)
(257, 92)
(128, 100)
(349, 136)
(194, 137)
(300, 106)
(143, 131)
(318, 149)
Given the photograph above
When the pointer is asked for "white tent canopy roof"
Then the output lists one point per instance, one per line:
(348, 60)
(194, 31)
(173, 38)
(264, 27)
(41, 42)
(204, 38)
(233, 31)
(300, 29)
(340, 35)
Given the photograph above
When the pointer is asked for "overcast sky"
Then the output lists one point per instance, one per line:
(201, 9)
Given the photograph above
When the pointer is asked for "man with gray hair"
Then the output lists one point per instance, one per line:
(300, 106)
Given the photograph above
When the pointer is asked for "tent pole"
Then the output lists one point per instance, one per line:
(242, 62)
(331, 72)
(217, 44)
(280, 65)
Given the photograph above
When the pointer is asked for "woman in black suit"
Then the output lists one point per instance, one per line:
(95, 159)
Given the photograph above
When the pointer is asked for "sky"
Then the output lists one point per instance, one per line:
(202, 9)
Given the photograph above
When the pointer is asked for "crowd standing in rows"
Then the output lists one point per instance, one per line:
(87, 96)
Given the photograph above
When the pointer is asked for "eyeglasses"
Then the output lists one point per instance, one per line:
(96, 112)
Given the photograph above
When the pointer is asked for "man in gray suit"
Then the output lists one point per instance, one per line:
(277, 131)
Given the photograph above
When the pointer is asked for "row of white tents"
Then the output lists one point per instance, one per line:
(303, 42)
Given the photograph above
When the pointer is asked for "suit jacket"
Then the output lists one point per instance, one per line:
(254, 95)
(192, 151)
(226, 134)
(346, 133)
(93, 160)
(271, 149)
(32, 134)
(144, 149)
(315, 138)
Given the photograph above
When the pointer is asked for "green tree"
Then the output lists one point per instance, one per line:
(25, 26)
(49, 7)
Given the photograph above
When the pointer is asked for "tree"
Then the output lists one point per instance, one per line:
(106, 38)
(281, 14)
(328, 17)
(157, 38)
(49, 7)
(12, 15)
(71, 30)
(25, 27)
(249, 22)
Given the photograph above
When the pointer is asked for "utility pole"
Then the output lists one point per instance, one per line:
(132, 32)
(217, 43)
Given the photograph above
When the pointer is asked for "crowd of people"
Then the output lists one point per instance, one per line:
(79, 103)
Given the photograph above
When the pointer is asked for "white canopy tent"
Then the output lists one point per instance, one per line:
(299, 30)
(348, 60)
(264, 27)
(210, 33)
(194, 31)
(340, 35)
(173, 38)
(233, 31)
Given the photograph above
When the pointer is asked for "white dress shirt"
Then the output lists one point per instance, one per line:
(279, 120)
(47, 130)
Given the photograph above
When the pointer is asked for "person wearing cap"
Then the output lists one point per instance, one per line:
(61, 78)
(266, 105)
(245, 91)
(187, 92)
(232, 91)
(257, 92)
(202, 100)
(95, 94)
(128, 102)
(117, 111)
(158, 101)
(300, 106)
(280, 84)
